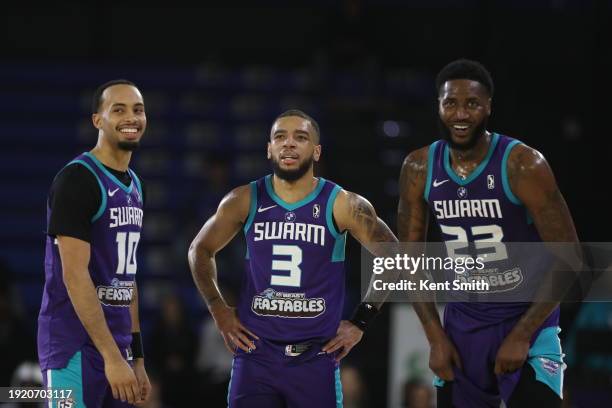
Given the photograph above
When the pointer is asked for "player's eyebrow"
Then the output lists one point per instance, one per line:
(121, 104)
(303, 132)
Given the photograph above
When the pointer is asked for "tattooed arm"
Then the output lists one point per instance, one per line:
(356, 215)
(533, 183)
(214, 235)
(412, 215)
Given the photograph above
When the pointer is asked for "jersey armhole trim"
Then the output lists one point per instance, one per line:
(338, 252)
(102, 192)
(137, 182)
(329, 211)
(252, 206)
(505, 182)
(430, 159)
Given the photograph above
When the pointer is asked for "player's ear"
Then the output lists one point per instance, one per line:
(96, 120)
(268, 154)
(489, 102)
(317, 153)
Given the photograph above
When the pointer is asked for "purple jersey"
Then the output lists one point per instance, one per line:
(481, 209)
(293, 289)
(115, 233)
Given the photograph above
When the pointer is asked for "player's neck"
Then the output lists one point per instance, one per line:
(475, 155)
(114, 158)
(294, 191)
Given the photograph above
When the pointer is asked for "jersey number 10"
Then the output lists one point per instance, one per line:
(127, 243)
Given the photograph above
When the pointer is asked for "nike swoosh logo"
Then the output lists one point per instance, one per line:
(260, 209)
(112, 193)
(437, 183)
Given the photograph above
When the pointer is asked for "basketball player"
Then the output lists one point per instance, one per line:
(479, 355)
(89, 313)
(286, 332)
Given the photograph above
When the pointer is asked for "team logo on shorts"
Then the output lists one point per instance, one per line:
(462, 192)
(66, 403)
(551, 367)
(316, 211)
(290, 216)
(286, 304)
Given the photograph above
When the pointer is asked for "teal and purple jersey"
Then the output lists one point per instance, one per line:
(115, 233)
(482, 212)
(293, 289)
(479, 215)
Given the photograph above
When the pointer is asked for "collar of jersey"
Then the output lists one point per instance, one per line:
(479, 169)
(292, 206)
(109, 174)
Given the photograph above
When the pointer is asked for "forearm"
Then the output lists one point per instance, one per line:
(85, 302)
(532, 319)
(204, 272)
(430, 320)
(134, 311)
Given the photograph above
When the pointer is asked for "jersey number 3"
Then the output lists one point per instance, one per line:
(292, 265)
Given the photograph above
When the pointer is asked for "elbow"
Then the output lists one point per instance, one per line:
(196, 250)
(193, 249)
(70, 278)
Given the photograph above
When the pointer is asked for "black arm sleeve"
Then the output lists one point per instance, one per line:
(74, 199)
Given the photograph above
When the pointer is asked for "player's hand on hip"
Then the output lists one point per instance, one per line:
(511, 354)
(442, 357)
(143, 380)
(233, 332)
(122, 380)
(347, 336)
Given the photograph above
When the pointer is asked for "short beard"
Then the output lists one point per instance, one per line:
(291, 175)
(128, 146)
(477, 134)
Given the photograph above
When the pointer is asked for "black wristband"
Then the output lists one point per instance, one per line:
(364, 314)
(137, 349)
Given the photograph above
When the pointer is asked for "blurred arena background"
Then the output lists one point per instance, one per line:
(213, 79)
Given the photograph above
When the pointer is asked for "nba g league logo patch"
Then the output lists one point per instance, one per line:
(316, 211)
(462, 192)
(490, 182)
(290, 216)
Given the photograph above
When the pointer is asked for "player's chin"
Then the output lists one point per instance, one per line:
(129, 145)
(462, 140)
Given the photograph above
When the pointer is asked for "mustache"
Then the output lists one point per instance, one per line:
(477, 133)
(292, 175)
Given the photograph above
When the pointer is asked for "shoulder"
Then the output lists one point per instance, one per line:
(524, 160)
(416, 160)
(350, 207)
(347, 199)
(413, 174)
(75, 171)
(237, 201)
(75, 177)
